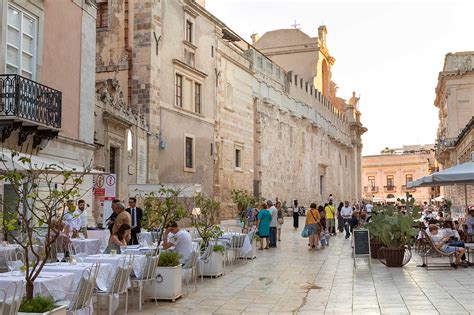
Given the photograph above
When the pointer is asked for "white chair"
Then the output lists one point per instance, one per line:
(12, 296)
(119, 284)
(190, 270)
(205, 257)
(147, 276)
(82, 297)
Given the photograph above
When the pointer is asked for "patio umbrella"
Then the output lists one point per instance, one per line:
(462, 174)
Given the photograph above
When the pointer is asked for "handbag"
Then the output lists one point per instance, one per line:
(280, 220)
(305, 232)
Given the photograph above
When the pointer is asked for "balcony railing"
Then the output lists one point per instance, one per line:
(24, 99)
(443, 144)
(389, 188)
(372, 189)
(405, 188)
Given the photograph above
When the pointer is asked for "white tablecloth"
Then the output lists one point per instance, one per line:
(147, 237)
(57, 285)
(102, 235)
(104, 276)
(138, 250)
(247, 246)
(89, 246)
(138, 262)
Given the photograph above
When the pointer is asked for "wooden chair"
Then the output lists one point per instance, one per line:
(431, 250)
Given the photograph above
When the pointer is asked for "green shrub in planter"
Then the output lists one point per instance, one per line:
(219, 248)
(168, 259)
(39, 304)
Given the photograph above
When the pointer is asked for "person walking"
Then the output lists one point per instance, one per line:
(263, 225)
(346, 213)
(312, 225)
(296, 215)
(330, 221)
(280, 220)
(340, 220)
(273, 223)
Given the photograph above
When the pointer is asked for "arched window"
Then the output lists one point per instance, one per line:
(325, 77)
(129, 141)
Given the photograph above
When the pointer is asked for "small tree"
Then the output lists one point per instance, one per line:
(41, 191)
(161, 208)
(243, 200)
(205, 219)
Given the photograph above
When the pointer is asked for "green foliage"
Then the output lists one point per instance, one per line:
(161, 208)
(39, 304)
(394, 228)
(243, 200)
(218, 248)
(168, 259)
(205, 222)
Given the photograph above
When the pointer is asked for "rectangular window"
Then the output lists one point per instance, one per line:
(102, 15)
(408, 178)
(21, 43)
(179, 90)
(189, 152)
(238, 158)
(189, 31)
(197, 98)
(371, 181)
(390, 181)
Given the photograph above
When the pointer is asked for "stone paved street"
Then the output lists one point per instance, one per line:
(292, 279)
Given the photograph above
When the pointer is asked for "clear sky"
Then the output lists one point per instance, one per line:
(389, 52)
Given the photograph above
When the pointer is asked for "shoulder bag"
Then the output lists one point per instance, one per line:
(305, 232)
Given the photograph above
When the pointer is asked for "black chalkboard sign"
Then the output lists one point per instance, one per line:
(361, 242)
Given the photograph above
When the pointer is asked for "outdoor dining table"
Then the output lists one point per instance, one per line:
(102, 235)
(104, 275)
(56, 285)
(90, 246)
(246, 246)
(139, 250)
(137, 266)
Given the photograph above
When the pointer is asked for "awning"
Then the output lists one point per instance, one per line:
(40, 163)
(462, 174)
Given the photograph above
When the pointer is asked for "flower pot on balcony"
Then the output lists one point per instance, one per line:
(168, 285)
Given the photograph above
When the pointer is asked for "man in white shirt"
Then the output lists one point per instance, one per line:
(346, 213)
(369, 207)
(273, 223)
(70, 218)
(81, 214)
(181, 241)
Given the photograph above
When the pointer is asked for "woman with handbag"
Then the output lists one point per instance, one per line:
(279, 220)
(313, 226)
(263, 225)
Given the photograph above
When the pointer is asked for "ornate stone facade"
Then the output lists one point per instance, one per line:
(385, 176)
(455, 101)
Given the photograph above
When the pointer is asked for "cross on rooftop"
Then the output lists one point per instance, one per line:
(295, 25)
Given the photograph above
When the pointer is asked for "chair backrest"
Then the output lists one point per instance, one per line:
(148, 271)
(237, 241)
(11, 298)
(122, 275)
(83, 295)
(191, 263)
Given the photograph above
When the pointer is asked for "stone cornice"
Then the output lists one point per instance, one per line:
(189, 68)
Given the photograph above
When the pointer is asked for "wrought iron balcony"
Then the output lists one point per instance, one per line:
(405, 188)
(372, 189)
(390, 188)
(30, 107)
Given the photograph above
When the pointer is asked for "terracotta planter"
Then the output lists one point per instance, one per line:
(374, 249)
(394, 257)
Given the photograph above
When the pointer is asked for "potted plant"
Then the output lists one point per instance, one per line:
(41, 194)
(169, 278)
(41, 306)
(204, 221)
(374, 227)
(397, 233)
(243, 200)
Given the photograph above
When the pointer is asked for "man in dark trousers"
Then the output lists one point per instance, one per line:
(136, 214)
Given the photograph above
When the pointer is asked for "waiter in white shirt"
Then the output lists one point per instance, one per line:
(81, 214)
(136, 215)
